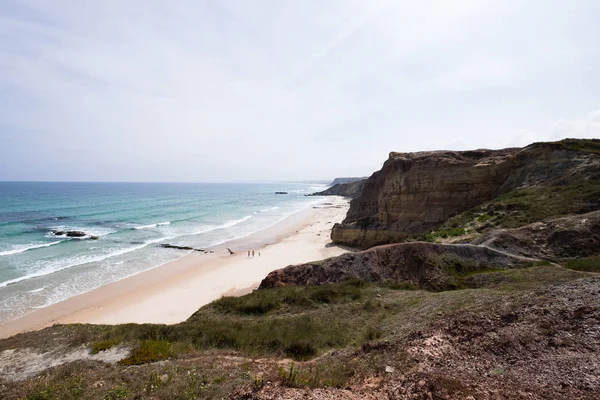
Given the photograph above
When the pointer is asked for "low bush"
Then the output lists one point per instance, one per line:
(103, 345)
(149, 351)
(590, 264)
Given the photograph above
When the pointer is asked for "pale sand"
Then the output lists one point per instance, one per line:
(174, 291)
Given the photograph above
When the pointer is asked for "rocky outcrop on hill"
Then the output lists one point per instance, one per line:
(414, 193)
(351, 189)
(425, 265)
(575, 236)
(338, 181)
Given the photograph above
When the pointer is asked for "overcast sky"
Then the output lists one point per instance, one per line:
(148, 90)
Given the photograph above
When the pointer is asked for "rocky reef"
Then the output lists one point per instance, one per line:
(415, 193)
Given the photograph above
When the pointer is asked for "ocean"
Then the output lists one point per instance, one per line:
(124, 224)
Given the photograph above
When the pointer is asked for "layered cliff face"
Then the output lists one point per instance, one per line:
(415, 193)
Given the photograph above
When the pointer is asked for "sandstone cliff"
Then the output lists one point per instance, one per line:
(415, 193)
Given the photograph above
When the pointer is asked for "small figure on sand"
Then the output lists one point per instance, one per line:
(248, 253)
(252, 253)
(259, 253)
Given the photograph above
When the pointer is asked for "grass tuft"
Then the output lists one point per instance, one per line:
(590, 264)
(149, 351)
(103, 345)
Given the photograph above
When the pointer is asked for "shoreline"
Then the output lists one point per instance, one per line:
(172, 292)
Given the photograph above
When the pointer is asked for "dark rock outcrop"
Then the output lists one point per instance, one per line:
(73, 234)
(425, 265)
(76, 234)
(414, 193)
(176, 247)
(351, 189)
(281, 192)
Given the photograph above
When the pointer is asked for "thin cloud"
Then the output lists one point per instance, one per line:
(262, 90)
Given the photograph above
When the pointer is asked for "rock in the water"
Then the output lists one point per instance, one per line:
(172, 246)
(281, 192)
(76, 234)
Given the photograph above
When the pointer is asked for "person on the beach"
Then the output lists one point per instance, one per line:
(252, 253)
(259, 253)
(248, 253)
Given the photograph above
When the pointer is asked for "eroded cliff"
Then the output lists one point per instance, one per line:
(415, 193)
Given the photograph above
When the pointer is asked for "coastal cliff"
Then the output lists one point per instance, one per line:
(348, 189)
(506, 274)
(338, 181)
(415, 193)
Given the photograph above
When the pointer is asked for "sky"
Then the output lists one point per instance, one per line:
(205, 91)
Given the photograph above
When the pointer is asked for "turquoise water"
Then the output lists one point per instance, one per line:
(131, 220)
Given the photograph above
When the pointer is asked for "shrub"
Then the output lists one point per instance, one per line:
(372, 334)
(118, 392)
(590, 264)
(401, 286)
(301, 350)
(103, 345)
(149, 351)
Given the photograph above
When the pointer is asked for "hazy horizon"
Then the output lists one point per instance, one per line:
(265, 91)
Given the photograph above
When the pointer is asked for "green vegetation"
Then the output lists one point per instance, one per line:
(444, 233)
(119, 392)
(264, 301)
(103, 345)
(327, 375)
(590, 264)
(69, 388)
(223, 345)
(589, 145)
(149, 351)
(521, 207)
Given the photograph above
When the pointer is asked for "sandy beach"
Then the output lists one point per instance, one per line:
(172, 292)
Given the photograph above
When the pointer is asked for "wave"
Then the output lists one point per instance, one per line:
(28, 247)
(37, 290)
(48, 271)
(229, 224)
(152, 225)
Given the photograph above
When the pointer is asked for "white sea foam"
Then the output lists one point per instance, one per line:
(152, 225)
(229, 224)
(86, 260)
(145, 226)
(24, 248)
(37, 290)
